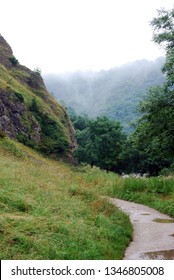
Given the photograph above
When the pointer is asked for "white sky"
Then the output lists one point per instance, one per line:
(69, 35)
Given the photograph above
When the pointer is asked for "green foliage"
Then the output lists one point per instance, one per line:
(100, 142)
(19, 96)
(53, 137)
(22, 138)
(153, 136)
(13, 60)
(168, 171)
(34, 107)
(2, 134)
(80, 122)
(164, 36)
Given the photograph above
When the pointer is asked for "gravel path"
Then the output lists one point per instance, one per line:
(153, 232)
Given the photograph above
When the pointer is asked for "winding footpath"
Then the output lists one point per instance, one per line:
(153, 232)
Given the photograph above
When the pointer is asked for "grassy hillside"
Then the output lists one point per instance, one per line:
(29, 113)
(49, 210)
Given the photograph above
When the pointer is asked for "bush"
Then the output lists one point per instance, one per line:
(19, 96)
(2, 134)
(26, 141)
(13, 60)
(168, 171)
(53, 138)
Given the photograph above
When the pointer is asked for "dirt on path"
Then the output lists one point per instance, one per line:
(153, 232)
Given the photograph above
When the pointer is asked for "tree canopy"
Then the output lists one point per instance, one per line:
(100, 142)
(154, 135)
(150, 148)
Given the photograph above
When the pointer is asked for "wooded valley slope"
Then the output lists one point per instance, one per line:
(114, 93)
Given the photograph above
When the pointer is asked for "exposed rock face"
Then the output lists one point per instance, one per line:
(15, 118)
(28, 112)
(5, 53)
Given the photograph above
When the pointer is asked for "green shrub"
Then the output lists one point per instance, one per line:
(53, 138)
(19, 96)
(168, 171)
(13, 60)
(26, 141)
(2, 134)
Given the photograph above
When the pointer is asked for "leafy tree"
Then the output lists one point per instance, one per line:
(81, 122)
(163, 27)
(83, 138)
(100, 143)
(151, 146)
(154, 135)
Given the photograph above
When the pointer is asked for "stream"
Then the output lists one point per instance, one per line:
(153, 237)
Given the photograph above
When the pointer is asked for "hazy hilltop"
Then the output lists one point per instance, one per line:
(114, 93)
(28, 112)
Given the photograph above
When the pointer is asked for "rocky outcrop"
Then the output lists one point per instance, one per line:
(28, 112)
(16, 120)
(5, 53)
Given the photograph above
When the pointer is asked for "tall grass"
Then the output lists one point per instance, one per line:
(157, 192)
(49, 210)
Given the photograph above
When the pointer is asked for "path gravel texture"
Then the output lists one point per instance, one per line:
(153, 232)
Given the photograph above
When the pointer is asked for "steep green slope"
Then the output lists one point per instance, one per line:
(51, 211)
(27, 110)
(114, 93)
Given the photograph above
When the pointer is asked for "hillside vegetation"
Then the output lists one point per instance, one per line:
(28, 112)
(114, 93)
(50, 210)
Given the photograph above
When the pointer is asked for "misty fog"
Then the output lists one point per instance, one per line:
(114, 93)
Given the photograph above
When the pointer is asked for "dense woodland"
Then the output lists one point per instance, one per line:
(150, 147)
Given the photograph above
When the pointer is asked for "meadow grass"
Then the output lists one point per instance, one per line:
(156, 192)
(49, 210)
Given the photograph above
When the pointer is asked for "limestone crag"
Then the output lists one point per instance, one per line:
(5, 53)
(15, 118)
(28, 112)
